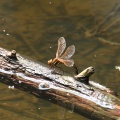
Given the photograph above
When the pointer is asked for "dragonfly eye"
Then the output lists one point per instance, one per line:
(50, 62)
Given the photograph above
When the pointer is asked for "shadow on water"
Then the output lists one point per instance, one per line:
(33, 28)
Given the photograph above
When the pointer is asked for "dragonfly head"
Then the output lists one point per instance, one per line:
(50, 62)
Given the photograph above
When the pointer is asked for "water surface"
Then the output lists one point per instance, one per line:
(32, 28)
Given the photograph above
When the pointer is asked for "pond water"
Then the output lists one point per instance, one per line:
(32, 28)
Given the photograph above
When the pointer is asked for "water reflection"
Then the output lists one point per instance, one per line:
(33, 27)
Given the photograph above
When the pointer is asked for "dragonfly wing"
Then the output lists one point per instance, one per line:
(69, 52)
(68, 63)
(61, 46)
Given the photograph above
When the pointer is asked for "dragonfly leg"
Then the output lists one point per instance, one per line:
(60, 69)
(53, 69)
(55, 72)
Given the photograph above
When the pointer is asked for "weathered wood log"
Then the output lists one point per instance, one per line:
(39, 80)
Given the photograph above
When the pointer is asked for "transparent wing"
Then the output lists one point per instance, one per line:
(61, 46)
(68, 63)
(69, 52)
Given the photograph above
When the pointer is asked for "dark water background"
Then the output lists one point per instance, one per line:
(32, 28)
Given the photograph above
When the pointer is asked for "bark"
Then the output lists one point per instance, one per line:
(96, 103)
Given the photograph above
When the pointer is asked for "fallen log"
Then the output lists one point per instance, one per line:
(91, 100)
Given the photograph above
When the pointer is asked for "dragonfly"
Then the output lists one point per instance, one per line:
(61, 56)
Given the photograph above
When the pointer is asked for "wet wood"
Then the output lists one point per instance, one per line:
(38, 79)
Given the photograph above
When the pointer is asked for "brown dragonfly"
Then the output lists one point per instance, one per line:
(63, 58)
